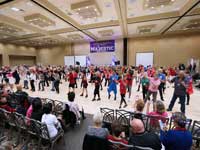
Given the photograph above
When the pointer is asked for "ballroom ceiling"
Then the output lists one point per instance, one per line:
(54, 22)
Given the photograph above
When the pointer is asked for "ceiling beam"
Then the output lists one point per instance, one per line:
(186, 9)
(58, 13)
(120, 7)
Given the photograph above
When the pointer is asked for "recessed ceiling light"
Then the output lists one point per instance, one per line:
(86, 7)
(162, 6)
(172, 0)
(15, 9)
(95, 9)
(79, 9)
(146, 5)
(152, 7)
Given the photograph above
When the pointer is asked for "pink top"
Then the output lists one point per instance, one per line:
(161, 117)
(154, 84)
(28, 114)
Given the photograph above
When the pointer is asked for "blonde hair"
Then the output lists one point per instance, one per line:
(140, 105)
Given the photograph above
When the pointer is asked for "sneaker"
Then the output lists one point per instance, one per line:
(109, 96)
(86, 96)
(162, 99)
(99, 99)
(120, 107)
(115, 98)
(93, 99)
(81, 94)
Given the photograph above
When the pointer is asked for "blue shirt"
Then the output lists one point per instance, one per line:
(176, 139)
(162, 76)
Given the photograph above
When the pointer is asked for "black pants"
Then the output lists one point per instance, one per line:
(56, 85)
(182, 101)
(161, 89)
(144, 91)
(123, 100)
(106, 81)
(188, 98)
(41, 83)
(32, 85)
(46, 82)
(96, 92)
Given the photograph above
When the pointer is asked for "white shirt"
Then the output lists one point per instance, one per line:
(33, 77)
(75, 109)
(51, 121)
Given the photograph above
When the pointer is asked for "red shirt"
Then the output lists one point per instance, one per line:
(129, 79)
(122, 87)
(71, 79)
(110, 137)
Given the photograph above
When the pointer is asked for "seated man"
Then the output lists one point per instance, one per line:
(179, 137)
(141, 138)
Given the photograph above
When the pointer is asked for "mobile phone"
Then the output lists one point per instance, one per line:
(161, 125)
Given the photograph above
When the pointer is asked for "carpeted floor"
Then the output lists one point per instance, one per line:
(74, 137)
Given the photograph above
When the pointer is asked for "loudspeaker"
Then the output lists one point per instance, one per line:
(77, 63)
(125, 51)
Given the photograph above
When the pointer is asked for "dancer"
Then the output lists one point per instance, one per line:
(129, 81)
(161, 87)
(71, 81)
(84, 84)
(122, 92)
(154, 83)
(190, 87)
(113, 85)
(97, 82)
(180, 86)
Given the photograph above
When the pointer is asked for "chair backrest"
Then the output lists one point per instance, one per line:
(39, 129)
(94, 143)
(152, 124)
(123, 117)
(196, 130)
(10, 118)
(119, 145)
(20, 121)
(58, 107)
(108, 114)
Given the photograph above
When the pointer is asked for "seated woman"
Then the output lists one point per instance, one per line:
(160, 113)
(139, 107)
(37, 111)
(178, 137)
(97, 130)
(117, 134)
(50, 120)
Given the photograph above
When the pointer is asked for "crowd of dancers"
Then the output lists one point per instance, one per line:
(150, 79)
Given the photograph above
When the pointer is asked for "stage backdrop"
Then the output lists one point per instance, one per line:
(100, 58)
(102, 46)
